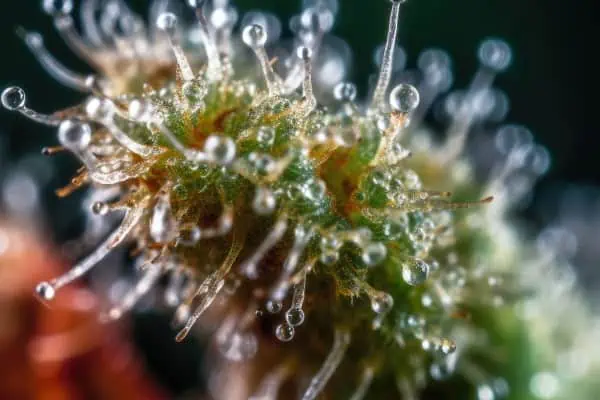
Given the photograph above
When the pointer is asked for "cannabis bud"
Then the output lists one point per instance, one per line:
(355, 252)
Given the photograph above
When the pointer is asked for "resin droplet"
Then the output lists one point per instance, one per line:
(284, 332)
(220, 150)
(495, 54)
(45, 291)
(387, 61)
(485, 392)
(274, 307)
(374, 253)
(163, 227)
(381, 304)
(167, 22)
(56, 8)
(74, 136)
(447, 346)
(13, 98)
(100, 208)
(415, 272)
(266, 135)
(345, 92)
(404, 98)
(294, 316)
(264, 202)
(254, 36)
(196, 3)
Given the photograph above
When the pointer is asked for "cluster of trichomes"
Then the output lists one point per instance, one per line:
(317, 224)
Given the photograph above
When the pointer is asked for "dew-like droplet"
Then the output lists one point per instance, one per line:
(273, 307)
(74, 136)
(254, 36)
(13, 98)
(294, 316)
(345, 92)
(404, 98)
(495, 54)
(374, 253)
(220, 150)
(284, 332)
(415, 271)
(45, 291)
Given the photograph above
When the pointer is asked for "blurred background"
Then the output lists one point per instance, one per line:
(553, 86)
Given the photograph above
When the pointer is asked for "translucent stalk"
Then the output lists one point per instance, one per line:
(364, 384)
(167, 22)
(269, 386)
(249, 267)
(127, 142)
(62, 74)
(210, 288)
(47, 290)
(223, 225)
(341, 341)
(385, 73)
(191, 155)
(301, 240)
(255, 37)
(119, 175)
(89, 24)
(464, 118)
(143, 286)
(309, 101)
(66, 28)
